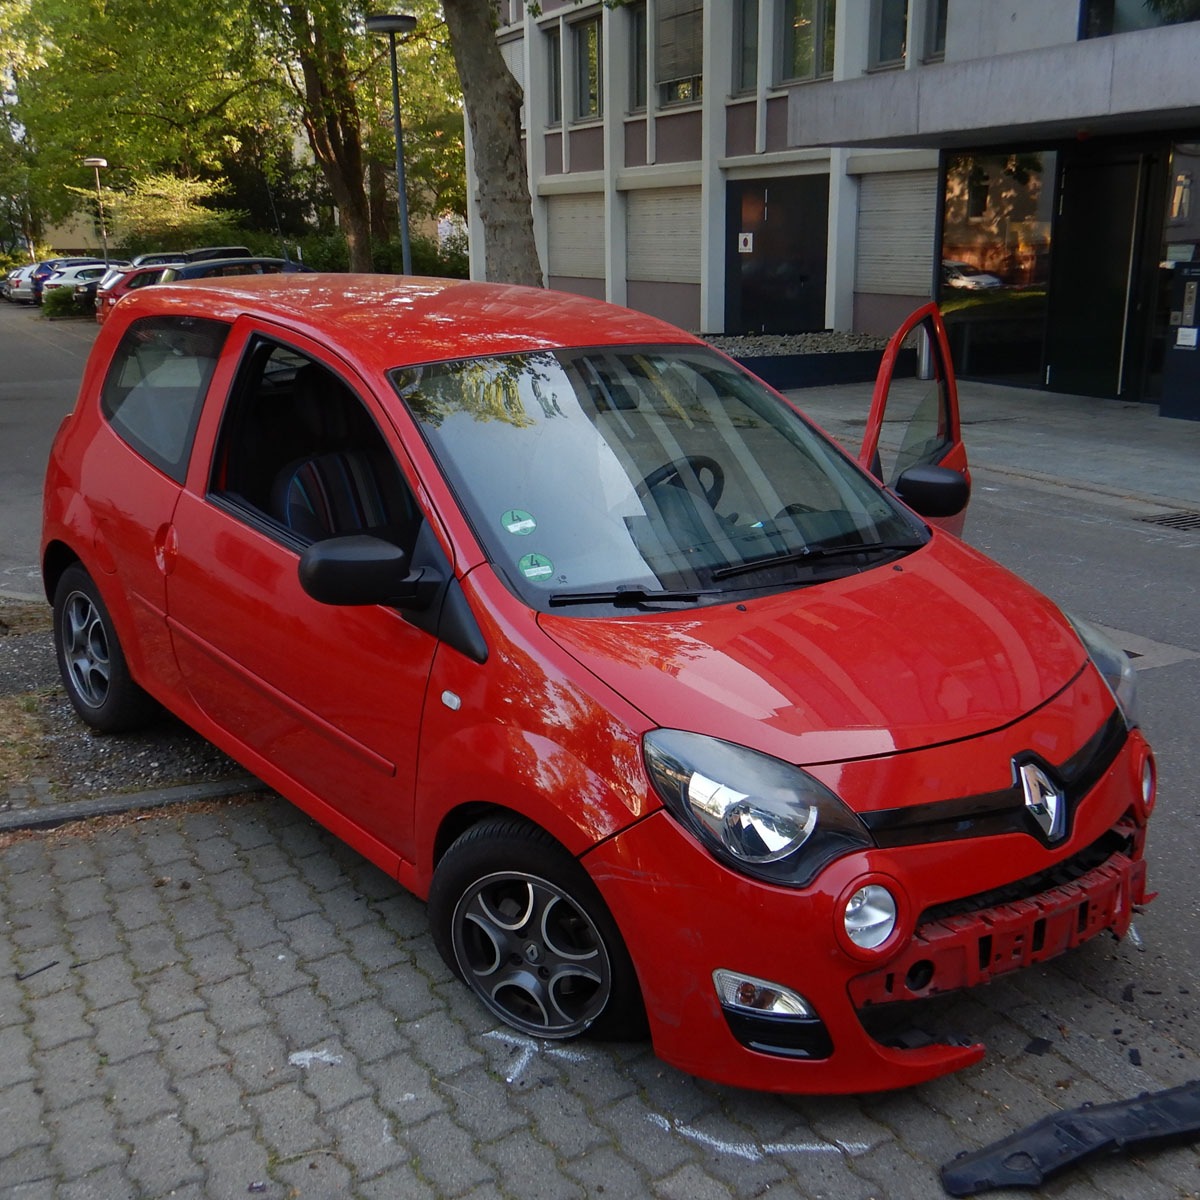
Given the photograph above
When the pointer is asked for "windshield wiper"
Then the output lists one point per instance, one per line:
(629, 597)
(811, 554)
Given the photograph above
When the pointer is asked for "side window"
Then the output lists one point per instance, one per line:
(298, 447)
(919, 426)
(156, 384)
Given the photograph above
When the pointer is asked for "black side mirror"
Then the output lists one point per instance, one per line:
(361, 569)
(933, 491)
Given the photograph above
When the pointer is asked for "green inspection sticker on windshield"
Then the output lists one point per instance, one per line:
(518, 521)
(536, 567)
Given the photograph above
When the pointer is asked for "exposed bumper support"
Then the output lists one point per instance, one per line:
(1027, 1158)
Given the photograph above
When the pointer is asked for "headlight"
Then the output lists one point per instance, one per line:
(758, 814)
(1113, 663)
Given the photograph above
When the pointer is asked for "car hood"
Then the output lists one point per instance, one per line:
(940, 646)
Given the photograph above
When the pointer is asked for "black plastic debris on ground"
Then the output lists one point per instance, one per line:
(1028, 1158)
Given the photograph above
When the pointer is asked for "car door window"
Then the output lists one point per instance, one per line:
(913, 420)
(299, 453)
(155, 385)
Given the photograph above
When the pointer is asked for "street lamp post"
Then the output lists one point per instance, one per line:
(96, 164)
(392, 24)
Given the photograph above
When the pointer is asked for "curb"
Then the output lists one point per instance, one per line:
(51, 816)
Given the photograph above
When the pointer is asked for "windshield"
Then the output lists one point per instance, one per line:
(643, 470)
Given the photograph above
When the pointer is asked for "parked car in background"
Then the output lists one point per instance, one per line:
(968, 278)
(69, 277)
(196, 254)
(20, 288)
(43, 270)
(118, 281)
(11, 281)
(680, 716)
(214, 268)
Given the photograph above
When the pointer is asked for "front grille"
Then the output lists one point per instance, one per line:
(1003, 811)
(1121, 839)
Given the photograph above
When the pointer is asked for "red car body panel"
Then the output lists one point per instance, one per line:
(129, 280)
(898, 688)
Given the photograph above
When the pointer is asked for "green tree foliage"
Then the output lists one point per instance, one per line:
(161, 211)
(221, 91)
(148, 84)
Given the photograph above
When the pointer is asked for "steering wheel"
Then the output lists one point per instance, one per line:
(695, 463)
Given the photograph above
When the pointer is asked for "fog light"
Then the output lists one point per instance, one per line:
(1149, 784)
(870, 916)
(757, 995)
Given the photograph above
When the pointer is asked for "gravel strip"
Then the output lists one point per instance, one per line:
(756, 345)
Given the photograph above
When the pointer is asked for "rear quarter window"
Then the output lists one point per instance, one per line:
(156, 384)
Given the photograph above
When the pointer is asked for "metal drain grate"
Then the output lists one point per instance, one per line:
(1174, 520)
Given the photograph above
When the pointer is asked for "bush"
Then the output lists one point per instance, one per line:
(327, 252)
(60, 302)
(449, 259)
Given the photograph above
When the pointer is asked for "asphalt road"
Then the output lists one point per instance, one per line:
(228, 1002)
(40, 366)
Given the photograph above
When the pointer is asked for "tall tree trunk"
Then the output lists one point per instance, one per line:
(331, 119)
(383, 210)
(493, 102)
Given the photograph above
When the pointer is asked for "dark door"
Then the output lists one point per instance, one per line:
(776, 238)
(1099, 308)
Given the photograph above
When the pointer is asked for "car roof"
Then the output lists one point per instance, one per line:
(384, 321)
(197, 268)
(143, 268)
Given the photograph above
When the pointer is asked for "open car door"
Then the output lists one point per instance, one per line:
(915, 422)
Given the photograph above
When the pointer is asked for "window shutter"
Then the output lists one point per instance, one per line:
(679, 40)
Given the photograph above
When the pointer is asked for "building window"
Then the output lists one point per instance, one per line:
(745, 60)
(679, 51)
(807, 41)
(935, 31)
(889, 33)
(554, 76)
(586, 39)
(638, 57)
(1099, 18)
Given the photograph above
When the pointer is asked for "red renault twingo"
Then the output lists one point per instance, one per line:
(677, 716)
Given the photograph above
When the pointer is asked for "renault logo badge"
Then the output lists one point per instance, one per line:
(1045, 802)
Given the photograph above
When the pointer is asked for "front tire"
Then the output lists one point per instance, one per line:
(521, 923)
(91, 661)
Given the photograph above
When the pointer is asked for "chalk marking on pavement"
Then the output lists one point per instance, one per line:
(529, 1048)
(306, 1058)
(753, 1151)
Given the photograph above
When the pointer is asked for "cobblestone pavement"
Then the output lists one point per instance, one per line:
(225, 1001)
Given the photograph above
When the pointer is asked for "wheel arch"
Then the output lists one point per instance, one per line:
(56, 558)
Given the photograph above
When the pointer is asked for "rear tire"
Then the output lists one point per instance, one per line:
(91, 661)
(522, 924)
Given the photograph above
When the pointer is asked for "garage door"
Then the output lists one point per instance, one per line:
(576, 236)
(896, 220)
(664, 235)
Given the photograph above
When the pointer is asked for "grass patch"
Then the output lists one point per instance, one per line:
(18, 617)
(21, 737)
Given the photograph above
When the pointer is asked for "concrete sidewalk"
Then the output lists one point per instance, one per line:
(1110, 447)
